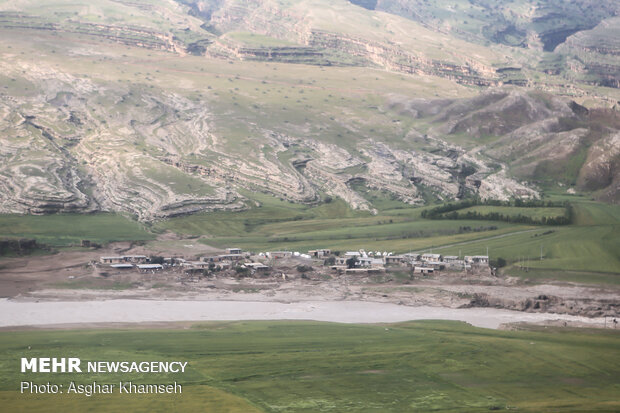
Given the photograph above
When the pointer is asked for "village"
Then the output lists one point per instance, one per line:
(263, 264)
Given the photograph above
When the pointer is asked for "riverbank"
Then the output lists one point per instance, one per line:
(49, 313)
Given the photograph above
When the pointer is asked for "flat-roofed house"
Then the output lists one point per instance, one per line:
(431, 257)
(231, 257)
(423, 270)
(125, 266)
(376, 263)
(454, 262)
(438, 265)
(112, 260)
(257, 266)
(477, 259)
(150, 267)
(136, 259)
(234, 250)
(174, 261)
(342, 260)
(319, 253)
(196, 264)
(279, 254)
(396, 259)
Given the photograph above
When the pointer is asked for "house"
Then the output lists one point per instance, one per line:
(149, 267)
(455, 264)
(341, 260)
(431, 257)
(279, 254)
(450, 259)
(350, 254)
(415, 263)
(437, 265)
(122, 266)
(211, 259)
(376, 263)
(257, 266)
(112, 260)
(196, 264)
(136, 259)
(234, 251)
(361, 261)
(192, 271)
(224, 265)
(319, 253)
(231, 257)
(173, 261)
(477, 260)
(423, 270)
(364, 262)
(363, 270)
(369, 262)
(396, 259)
(412, 256)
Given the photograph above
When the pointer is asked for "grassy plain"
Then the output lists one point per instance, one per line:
(325, 367)
(281, 225)
(570, 252)
(67, 229)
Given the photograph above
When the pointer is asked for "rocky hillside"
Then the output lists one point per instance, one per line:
(163, 108)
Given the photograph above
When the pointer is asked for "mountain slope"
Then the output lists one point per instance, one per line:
(160, 109)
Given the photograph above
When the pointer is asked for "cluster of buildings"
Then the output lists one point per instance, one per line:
(426, 263)
(349, 262)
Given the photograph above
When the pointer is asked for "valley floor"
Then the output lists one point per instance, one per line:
(66, 288)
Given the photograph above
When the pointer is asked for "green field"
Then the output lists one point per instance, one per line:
(585, 251)
(282, 225)
(588, 246)
(325, 367)
(68, 229)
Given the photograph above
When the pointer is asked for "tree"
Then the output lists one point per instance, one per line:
(351, 262)
(304, 268)
(499, 263)
(156, 259)
(242, 271)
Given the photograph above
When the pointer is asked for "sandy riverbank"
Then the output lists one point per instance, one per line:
(26, 313)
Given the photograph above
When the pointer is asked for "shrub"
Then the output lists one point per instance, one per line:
(351, 262)
(499, 262)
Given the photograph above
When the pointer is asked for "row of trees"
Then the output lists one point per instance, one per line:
(451, 211)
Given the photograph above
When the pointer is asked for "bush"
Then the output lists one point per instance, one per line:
(242, 271)
(499, 262)
(155, 259)
(304, 268)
